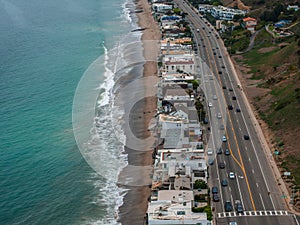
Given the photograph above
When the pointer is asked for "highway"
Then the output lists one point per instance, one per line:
(254, 184)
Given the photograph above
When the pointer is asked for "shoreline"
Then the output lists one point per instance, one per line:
(135, 202)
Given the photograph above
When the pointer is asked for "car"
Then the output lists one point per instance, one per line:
(233, 98)
(215, 53)
(230, 107)
(219, 151)
(219, 115)
(239, 206)
(220, 72)
(227, 152)
(228, 206)
(214, 190)
(216, 198)
(220, 56)
(246, 137)
(221, 165)
(232, 223)
(209, 151)
(223, 67)
(238, 110)
(222, 127)
(230, 89)
(210, 161)
(224, 182)
(224, 87)
(209, 104)
(215, 97)
(231, 175)
(224, 139)
(205, 121)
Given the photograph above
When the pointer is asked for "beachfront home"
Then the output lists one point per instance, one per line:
(169, 20)
(173, 166)
(177, 63)
(179, 46)
(161, 7)
(249, 23)
(172, 31)
(174, 207)
(293, 7)
(224, 13)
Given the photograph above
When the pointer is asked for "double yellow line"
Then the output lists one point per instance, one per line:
(239, 163)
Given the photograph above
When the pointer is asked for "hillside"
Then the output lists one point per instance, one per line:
(271, 78)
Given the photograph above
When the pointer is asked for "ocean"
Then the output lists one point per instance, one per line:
(54, 55)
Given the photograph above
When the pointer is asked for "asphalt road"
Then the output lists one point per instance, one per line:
(254, 183)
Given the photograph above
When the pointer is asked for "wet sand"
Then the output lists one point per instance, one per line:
(133, 211)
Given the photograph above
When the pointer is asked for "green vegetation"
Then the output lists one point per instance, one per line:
(201, 198)
(195, 84)
(236, 40)
(195, 3)
(200, 110)
(200, 184)
(206, 209)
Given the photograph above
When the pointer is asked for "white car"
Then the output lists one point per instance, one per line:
(219, 115)
(209, 151)
(224, 139)
(231, 175)
(215, 97)
(209, 104)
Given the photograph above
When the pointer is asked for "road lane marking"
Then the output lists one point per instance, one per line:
(262, 201)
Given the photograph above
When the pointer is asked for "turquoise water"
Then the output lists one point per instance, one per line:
(45, 47)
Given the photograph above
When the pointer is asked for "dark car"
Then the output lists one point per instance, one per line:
(221, 165)
(224, 182)
(238, 110)
(223, 67)
(227, 152)
(233, 98)
(205, 121)
(210, 161)
(216, 198)
(228, 206)
(224, 87)
(219, 151)
(220, 72)
(220, 56)
(230, 107)
(214, 190)
(230, 89)
(239, 206)
(246, 137)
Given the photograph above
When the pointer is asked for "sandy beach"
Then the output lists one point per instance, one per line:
(132, 212)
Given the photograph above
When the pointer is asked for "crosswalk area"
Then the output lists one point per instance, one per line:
(253, 213)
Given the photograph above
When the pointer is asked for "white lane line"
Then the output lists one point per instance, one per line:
(296, 219)
(256, 184)
(252, 170)
(249, 159)
(237, 181)
(262, 201)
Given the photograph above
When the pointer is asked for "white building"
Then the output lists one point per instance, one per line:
(174, 207)
(160, 7)
(176, 63)
(204, 8)
(293, 7)
(224, 13)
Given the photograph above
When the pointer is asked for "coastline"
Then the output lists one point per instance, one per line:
(136, 200)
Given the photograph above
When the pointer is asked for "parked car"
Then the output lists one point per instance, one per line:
(224, 182)
(228, 206)
(216, 198)
(214, 190)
